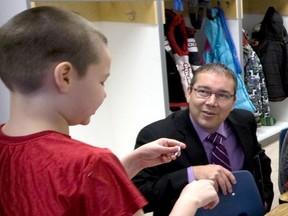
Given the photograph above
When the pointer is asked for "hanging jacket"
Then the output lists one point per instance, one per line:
(175, 90)
(181, 57)
(272, 52)
(255, 81)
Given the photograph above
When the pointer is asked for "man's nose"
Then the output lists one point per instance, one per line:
(212, 99)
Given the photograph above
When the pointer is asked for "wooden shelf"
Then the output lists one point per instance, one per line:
(140, 11)
(261, 6)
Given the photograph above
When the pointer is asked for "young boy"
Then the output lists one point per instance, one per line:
(55, 64)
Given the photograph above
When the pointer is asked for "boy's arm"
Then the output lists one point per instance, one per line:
(195, 195)
(151, 154)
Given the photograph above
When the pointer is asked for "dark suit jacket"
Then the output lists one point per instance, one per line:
(162, 185)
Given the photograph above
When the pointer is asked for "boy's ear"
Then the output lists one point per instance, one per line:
(63, 74)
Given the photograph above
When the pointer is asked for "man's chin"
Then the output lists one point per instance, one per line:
(206, 125)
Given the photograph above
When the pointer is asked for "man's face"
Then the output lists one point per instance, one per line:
(210, 111)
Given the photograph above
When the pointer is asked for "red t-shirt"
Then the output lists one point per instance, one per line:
(49, 173)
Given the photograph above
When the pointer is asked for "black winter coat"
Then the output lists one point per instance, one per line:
(273, 54)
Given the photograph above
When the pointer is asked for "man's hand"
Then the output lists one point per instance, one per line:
(223, 178)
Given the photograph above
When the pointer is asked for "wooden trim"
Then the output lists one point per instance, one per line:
(261, 6)
(141, 11)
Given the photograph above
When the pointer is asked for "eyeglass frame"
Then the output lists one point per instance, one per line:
(197, 93)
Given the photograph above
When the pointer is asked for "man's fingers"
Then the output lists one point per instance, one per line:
(225, 181)
(230, 180)
(231, 177)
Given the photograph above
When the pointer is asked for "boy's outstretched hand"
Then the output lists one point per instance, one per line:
(158, 152)
(151, 154)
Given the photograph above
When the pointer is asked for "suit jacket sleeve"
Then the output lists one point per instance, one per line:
(262, 172)
(256, 161)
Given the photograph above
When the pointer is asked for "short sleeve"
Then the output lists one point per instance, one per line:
(105, 188)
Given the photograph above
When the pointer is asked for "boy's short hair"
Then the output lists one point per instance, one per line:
(34, 41)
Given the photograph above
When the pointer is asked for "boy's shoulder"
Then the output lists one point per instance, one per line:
(54, 148)
(65, 145)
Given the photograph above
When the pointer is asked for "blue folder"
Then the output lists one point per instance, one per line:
(245, 199)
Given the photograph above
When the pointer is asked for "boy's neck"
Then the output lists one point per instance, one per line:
(12, 128)
(28, 116)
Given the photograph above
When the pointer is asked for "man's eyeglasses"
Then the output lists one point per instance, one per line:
(205, 93)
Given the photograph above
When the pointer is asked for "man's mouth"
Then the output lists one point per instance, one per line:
(209, 113)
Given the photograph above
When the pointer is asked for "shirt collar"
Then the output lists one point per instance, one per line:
(203, 133)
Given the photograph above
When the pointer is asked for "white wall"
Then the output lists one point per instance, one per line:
(10, 8)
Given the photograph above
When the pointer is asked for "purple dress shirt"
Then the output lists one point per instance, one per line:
(234, 150)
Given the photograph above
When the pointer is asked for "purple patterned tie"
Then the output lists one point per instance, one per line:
(219, 154)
